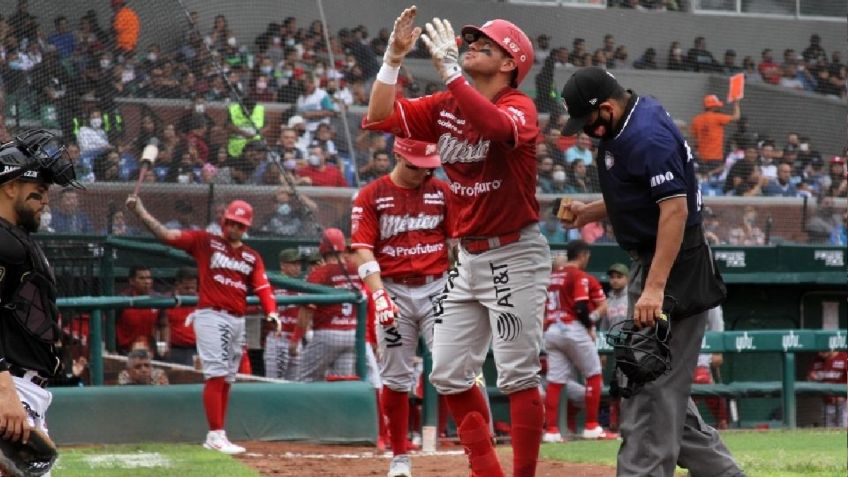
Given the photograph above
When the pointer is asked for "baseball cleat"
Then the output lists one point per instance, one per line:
(552, 437)
(217, 440)
(598, 433)
(401, 466)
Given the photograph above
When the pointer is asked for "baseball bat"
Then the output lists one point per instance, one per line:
(148, 157)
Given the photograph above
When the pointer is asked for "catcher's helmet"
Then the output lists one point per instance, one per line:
(37, 155)
(509, 37)
(239, 211)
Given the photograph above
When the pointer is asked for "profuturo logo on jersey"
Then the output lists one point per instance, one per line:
(219, 260)
(391, 225)
(417, 249)
(476, 189)
(453, 150)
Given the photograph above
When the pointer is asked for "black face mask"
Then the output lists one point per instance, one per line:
(589, 129)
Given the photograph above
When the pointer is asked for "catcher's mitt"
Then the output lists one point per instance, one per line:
(33, 459)
(641, 355)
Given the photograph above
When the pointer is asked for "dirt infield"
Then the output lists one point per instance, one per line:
(299, 459)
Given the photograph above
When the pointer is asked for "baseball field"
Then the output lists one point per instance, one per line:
(773, 453)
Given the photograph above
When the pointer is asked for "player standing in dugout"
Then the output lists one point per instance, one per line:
(486, 135)
(227, 268)
(400, 227)
(29, 329)
(651, 197)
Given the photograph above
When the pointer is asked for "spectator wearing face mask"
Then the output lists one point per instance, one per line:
(92, 138)
(290, 218)
(319, 172)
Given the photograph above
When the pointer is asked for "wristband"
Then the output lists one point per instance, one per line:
(388, 74)
(368, 268)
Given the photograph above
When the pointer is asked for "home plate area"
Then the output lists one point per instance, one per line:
(301, 459)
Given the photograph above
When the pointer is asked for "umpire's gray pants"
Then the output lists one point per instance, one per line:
(661, 427)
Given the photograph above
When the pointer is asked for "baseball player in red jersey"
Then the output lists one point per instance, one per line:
(486, 135)
(331, 349)
(279, 363)
(832, 367)
(181, 340)
(570, 340)
(227, 269)
(399, 226)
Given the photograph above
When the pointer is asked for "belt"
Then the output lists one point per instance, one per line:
(414, 280)
(28, 375)
(479, 245)
(224, 310)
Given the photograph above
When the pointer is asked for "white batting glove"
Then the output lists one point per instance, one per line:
(403, 37)
(441, 41)
(275, 317)
(384, 308)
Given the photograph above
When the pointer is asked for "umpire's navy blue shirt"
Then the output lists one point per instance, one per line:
(647, 161)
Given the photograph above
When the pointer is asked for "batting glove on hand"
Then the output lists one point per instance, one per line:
(384, 308)
(441, 41)
(275, 317)
(403, 37)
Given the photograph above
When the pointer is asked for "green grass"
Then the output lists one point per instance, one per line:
(180, 460)
(759, 453)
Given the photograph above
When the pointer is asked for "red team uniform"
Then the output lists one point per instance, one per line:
(406, 229)
(332, 348)
(832, 367)
(488, 151)
(279, 363)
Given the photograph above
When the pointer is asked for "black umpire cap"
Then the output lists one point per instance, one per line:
(583, 93)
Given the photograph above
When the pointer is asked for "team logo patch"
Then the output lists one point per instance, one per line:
(609, 160)
(509, 327)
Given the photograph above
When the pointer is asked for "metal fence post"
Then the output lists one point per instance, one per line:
(789, 408)
(95, 343)
(107, 279)
(361, 317)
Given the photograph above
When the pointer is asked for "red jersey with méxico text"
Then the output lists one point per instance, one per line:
(224, 273)
(340, 316)
(135, 323)
(493, 183)
(288, 313)
(568, 286)
(405, 228)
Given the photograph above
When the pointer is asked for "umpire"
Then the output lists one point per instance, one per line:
(650, 195)
(29, 331)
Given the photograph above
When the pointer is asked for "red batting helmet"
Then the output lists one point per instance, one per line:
(239, 211)
(509, 37)
(333, 240)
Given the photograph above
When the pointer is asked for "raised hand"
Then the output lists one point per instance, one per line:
(403, 37)
(441, 41)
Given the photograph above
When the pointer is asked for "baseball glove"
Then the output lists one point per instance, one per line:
(33, 459)
(641, 355)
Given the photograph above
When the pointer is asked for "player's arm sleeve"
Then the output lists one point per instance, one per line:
(580, 296)
(413, 118)
(364, 224)
(187, 240)
(261, 287)
(665, 171)
(512, 120)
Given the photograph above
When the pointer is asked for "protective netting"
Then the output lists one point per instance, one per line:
(114, 77)
(172, 73)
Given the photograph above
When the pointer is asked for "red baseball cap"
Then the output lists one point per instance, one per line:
(419, 153)
(837, 160)
(239, 211)
(508, 36)
(332, 240)
(712, 101)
